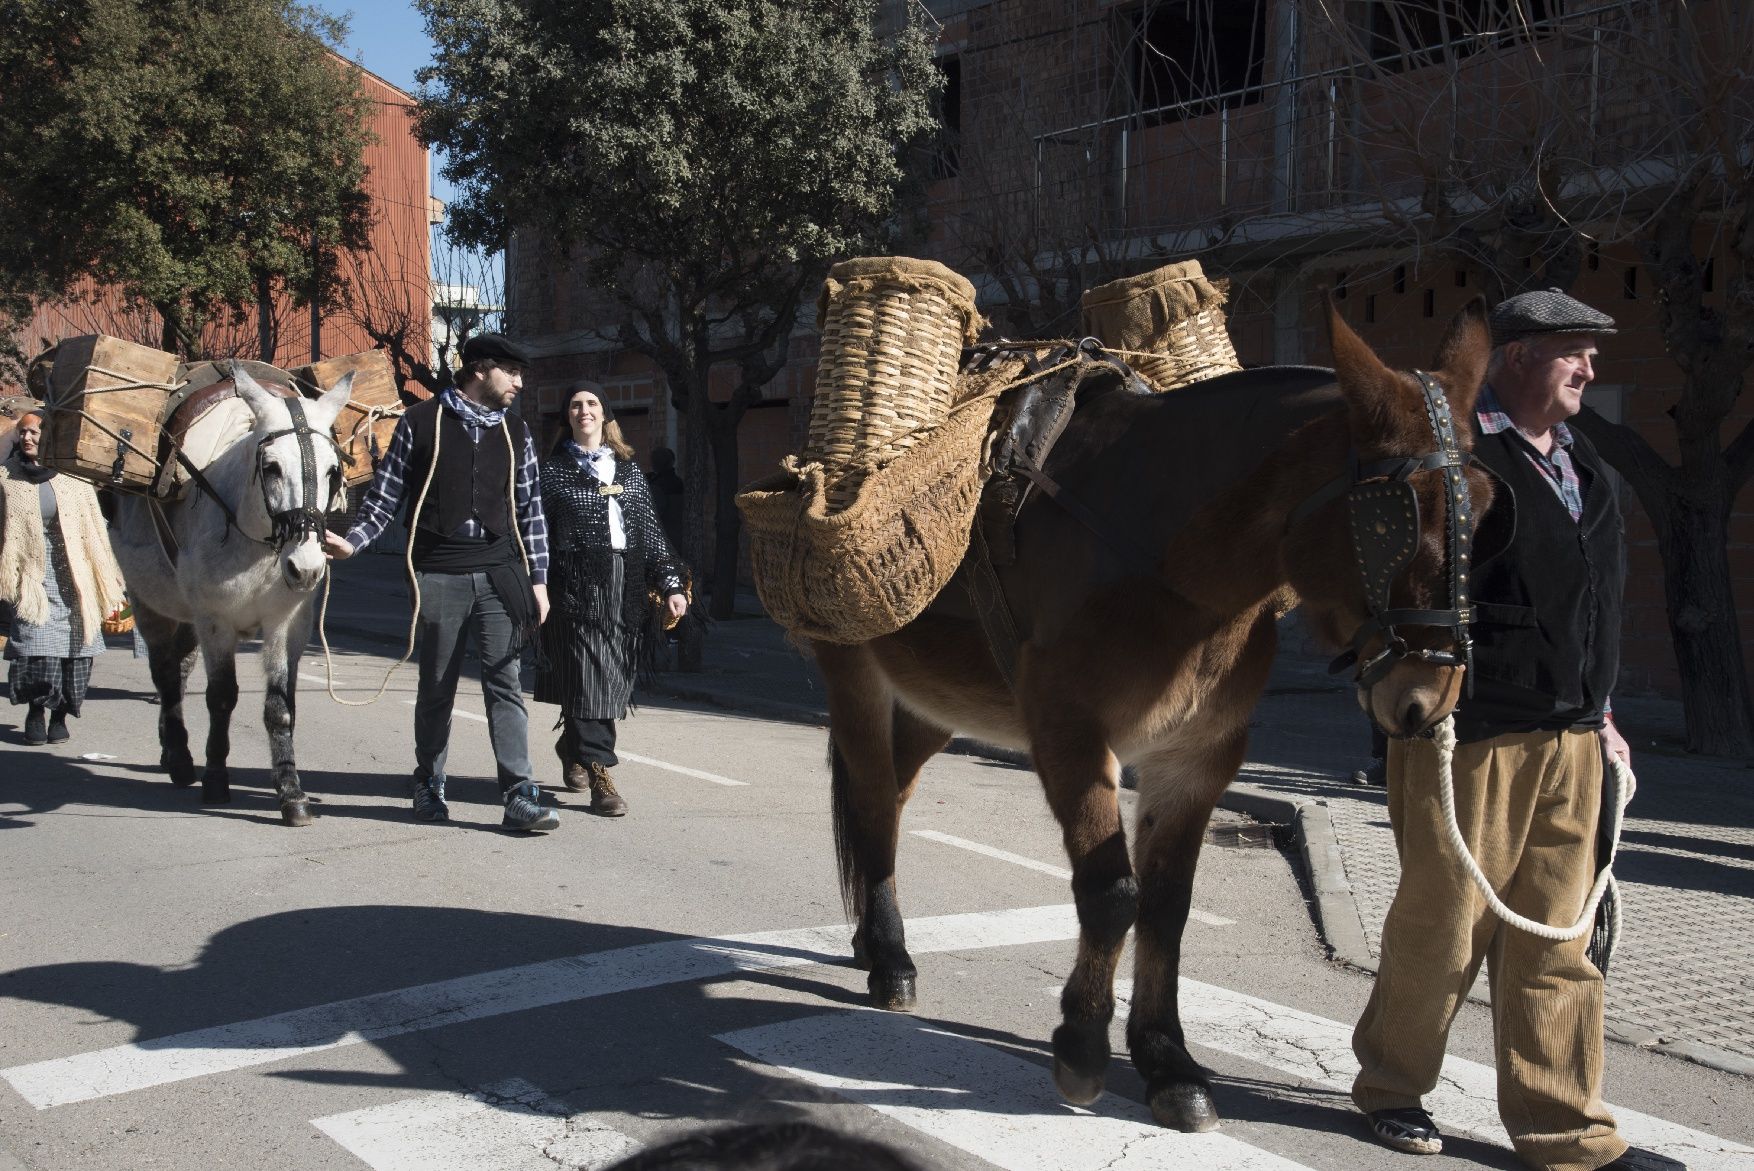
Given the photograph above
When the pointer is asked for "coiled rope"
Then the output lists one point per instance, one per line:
(1625, 784)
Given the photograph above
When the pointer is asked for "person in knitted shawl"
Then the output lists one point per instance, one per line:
(61, 579)
(607, 548)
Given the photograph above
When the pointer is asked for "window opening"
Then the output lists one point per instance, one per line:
(1195, 56)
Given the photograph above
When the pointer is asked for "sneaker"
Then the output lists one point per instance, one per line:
(1407, 1128)
(36, 725)
(605, 801)
(429, 800)
(1639, 1159)
(1375, 774)
(523, 810)
(58, 726)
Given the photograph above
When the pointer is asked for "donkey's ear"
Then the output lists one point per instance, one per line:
(333, 399)
(1462, 355)
(1372, 390)
(251, 391)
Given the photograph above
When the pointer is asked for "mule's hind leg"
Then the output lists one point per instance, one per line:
(876, 752)
(219, 653)
(1177, 790)
(170, 656)
(1081, 779)
(280, 653)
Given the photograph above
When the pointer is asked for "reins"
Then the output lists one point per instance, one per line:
(1625, 784)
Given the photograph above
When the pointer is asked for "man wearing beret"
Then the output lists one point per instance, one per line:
(467, 470)
(1528, 773)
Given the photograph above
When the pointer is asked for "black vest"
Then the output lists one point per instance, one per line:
(472, 480)
(1547, 610)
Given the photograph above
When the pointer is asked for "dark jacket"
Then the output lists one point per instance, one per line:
(1547, 609)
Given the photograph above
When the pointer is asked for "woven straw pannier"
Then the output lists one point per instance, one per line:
(850, 574)
(893, 330)
(1173, 314)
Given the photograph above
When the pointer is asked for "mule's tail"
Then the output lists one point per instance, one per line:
(846, 841)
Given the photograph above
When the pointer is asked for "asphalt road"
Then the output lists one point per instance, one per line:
(204, 988)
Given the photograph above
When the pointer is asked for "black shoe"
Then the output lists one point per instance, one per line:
(1375, 774)
(1406, 1128)
(1639, 1159)
(429, 800)
(523, 810)
(36, 725)
(58, 726)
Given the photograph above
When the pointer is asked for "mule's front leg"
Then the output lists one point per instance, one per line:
(1172, 823)
(219, 652)
(280, 714)
(1081, 778)
(170, 656)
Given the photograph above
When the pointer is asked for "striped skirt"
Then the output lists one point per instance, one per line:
(588, 666)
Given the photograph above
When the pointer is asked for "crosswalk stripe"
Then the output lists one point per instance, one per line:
(223, 1048)
(1319, 1050)
(932, 835)
(991, 1104)
(510, 1126)
(715, 778)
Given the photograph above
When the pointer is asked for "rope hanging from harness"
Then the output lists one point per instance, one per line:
(1625, 784)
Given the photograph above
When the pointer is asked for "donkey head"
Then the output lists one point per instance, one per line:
(298, 473)
(1388, 551)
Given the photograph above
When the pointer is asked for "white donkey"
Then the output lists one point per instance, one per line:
(240, 554)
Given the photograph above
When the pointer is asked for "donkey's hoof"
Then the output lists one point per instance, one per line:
(182, 772)
(216, 788)
(295, 812)
(893, 991)
(1080, 1063)
(1184, 1106)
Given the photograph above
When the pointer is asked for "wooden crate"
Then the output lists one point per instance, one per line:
(106, 400)
(365, 425)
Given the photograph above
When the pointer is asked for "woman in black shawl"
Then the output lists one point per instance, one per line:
(606, 548)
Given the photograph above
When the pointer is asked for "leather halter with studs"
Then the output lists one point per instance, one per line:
(1383, 514)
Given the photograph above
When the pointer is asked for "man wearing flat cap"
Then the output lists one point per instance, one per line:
(1528, 775)
(466, 469)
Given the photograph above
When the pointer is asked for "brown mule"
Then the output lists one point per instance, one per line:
(1237, 487)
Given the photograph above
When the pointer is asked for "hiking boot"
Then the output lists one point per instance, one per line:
(576, 778)
(605, 801)
(429, 800)
(36, 725)
(1406, 1128)
(523, 810)
(58, 726)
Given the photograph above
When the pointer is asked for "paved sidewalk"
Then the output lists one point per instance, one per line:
(1683, 977)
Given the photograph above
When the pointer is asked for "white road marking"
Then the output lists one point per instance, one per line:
(932, 835)
(319, 680)
(455, 711)
(715, 778)
(1319, 1050)
(222, 1048)
(511, 1126)
(989, 1103)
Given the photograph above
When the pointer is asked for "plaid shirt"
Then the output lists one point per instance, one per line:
(380, 505)
(1556, 467)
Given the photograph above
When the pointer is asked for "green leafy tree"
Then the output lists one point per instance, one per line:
(702, 159)
(190, 153)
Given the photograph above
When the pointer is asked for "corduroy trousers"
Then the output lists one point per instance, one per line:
(1527, 805)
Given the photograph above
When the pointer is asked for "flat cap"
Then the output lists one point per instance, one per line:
(1544, 311)
(496, 346)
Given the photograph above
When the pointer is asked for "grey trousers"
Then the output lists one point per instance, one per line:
(451, 605)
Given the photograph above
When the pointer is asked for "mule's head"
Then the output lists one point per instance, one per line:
(1383, 559)
(297, 472)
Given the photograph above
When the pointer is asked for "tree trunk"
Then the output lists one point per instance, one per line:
(1705, 628)
(727, 524)
(696, 469)
(266, 342)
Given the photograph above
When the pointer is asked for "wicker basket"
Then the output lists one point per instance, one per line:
(893, 330)
(853, 573)
(121, 622)
(1173, 313)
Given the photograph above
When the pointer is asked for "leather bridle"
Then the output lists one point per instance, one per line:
(1382, 509)
(304, 519)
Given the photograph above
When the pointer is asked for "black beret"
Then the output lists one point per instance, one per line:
(496, 346)
(1545, 311)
